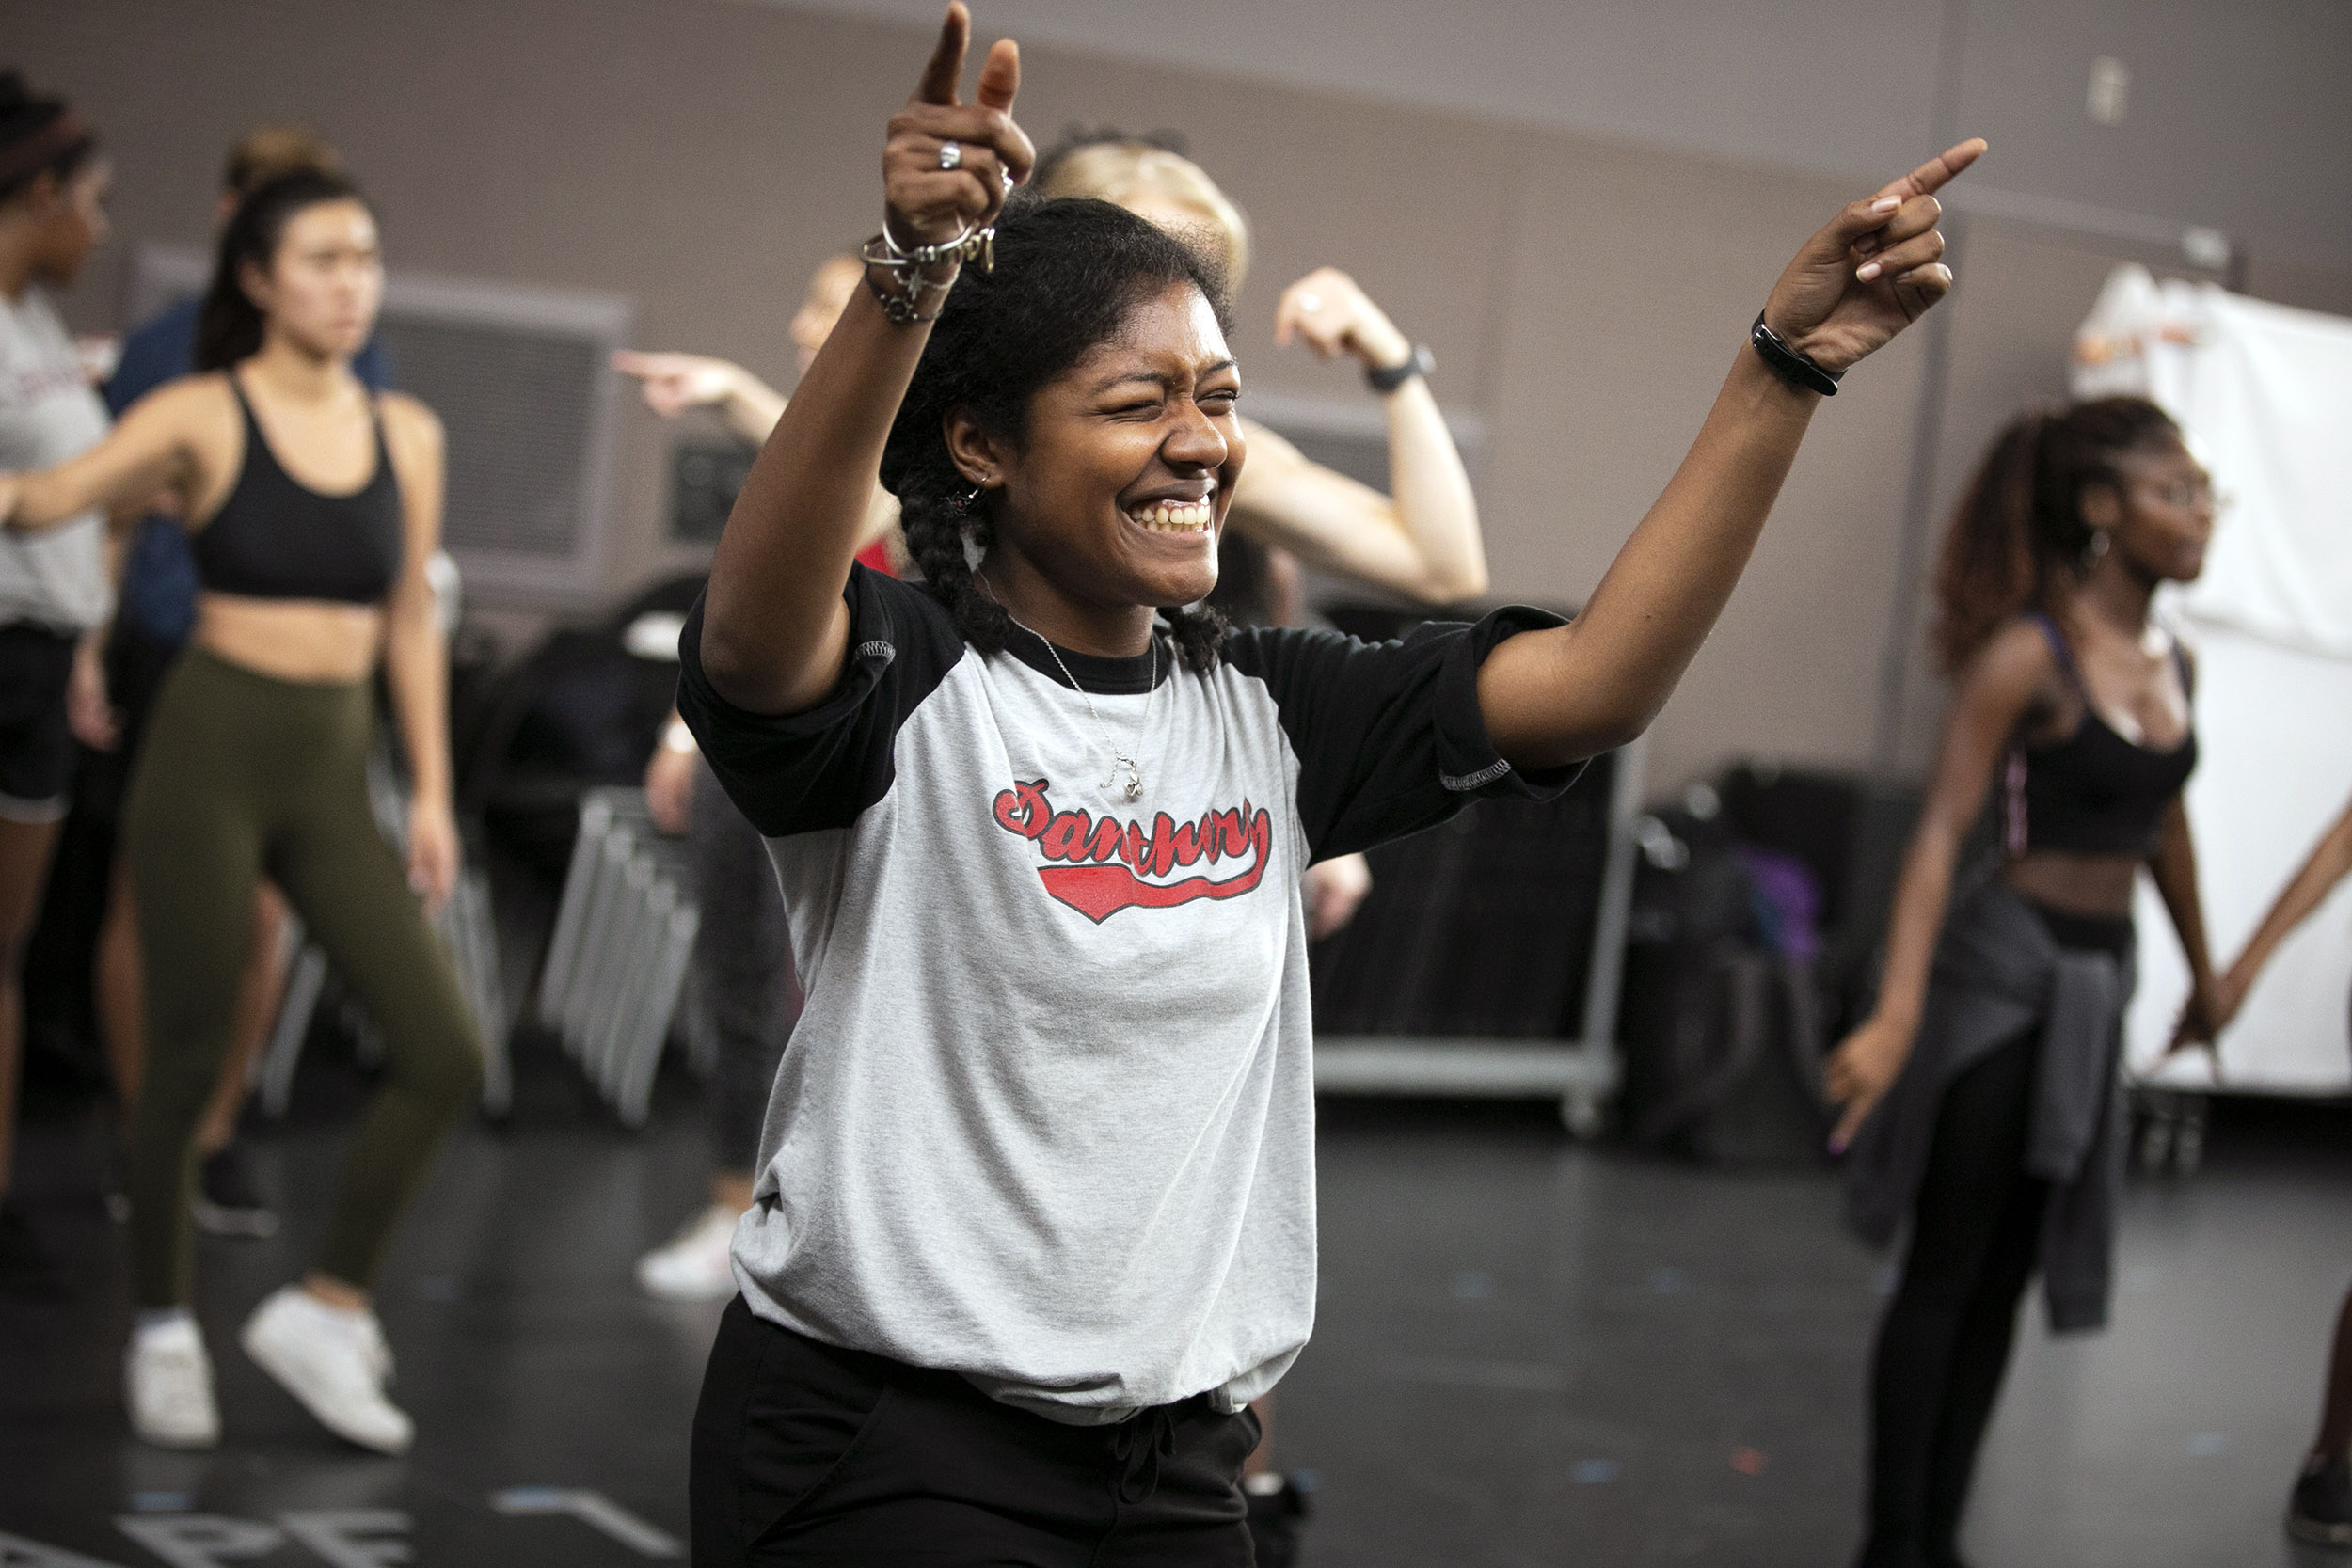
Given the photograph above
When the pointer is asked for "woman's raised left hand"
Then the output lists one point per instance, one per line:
(1872, 271)
(1331, 313)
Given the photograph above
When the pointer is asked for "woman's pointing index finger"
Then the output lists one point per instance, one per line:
(1936, 170)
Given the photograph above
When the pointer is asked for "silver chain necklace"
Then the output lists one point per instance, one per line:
(1132, 785)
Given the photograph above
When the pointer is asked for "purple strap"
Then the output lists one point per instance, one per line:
(2059, 647)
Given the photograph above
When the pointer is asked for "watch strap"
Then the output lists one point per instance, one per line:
(1790, 366)
(1387, 378)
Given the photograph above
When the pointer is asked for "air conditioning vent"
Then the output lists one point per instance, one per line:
(518, 373)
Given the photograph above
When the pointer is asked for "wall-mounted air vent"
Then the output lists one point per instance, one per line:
(518, 373)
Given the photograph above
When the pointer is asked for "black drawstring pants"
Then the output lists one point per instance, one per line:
(808, 1454)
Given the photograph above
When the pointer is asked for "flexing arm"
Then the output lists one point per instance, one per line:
(775, 628)
(416, 665)
(149, 449)
(1551, 697)
(1999, 690)
(1425, 542)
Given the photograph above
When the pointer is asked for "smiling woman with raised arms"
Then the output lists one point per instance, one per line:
(1035, 1217)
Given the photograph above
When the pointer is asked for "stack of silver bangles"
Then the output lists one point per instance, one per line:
(901, 300)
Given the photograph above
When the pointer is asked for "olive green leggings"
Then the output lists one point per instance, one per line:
(243, 773)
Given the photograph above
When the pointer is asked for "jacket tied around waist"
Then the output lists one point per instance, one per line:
(2000, 974)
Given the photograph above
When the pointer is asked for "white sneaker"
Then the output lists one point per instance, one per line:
(373, 1347)
(694, 1265)
(168, 1383)
(332, 1360)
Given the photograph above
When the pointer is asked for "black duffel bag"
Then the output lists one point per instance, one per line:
(1720, 1034)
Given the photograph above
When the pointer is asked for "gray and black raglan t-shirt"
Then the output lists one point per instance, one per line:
(1047, 1118)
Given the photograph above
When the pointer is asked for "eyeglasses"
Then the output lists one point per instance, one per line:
(2187, 492)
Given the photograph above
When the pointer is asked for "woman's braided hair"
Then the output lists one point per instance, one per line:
(1066, 275)
(2018, 540)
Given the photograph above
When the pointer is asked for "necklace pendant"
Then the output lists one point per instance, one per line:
(1132, 785)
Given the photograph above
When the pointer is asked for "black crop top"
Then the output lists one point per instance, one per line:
(277, 538)
(2093, 793)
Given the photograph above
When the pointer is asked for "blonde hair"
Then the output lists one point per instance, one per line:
(266, 151)
(1122, 173)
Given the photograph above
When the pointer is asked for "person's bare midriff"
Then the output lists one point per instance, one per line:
(2095, 885)
(309, 641)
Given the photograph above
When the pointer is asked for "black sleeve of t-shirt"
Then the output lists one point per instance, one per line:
(1390, 735)
(801, 772)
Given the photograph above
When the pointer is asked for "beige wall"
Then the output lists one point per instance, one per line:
(1633, 277)
(1582, 297)
(2236, 115)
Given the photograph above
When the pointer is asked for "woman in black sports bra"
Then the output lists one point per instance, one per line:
(315, 507)
(1982, 1098)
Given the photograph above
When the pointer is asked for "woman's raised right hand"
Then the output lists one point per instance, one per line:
(927, 203)
(1874, 269)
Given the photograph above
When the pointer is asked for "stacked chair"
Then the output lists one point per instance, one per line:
(617, 965)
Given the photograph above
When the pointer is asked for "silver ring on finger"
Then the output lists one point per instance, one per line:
(1006, 175)
(951, 154)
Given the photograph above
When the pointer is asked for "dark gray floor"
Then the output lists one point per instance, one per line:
(1529, 1353)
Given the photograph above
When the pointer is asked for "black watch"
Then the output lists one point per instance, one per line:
(1796, 369)
(1385, 380)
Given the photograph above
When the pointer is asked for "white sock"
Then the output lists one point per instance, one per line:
(342, 1317)
(156, 1319)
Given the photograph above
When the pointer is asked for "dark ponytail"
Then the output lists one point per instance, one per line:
(1067, 274)
(229, 328)
(2018, 541)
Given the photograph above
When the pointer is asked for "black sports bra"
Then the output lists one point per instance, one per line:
(2093, 793)
(277, 538)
